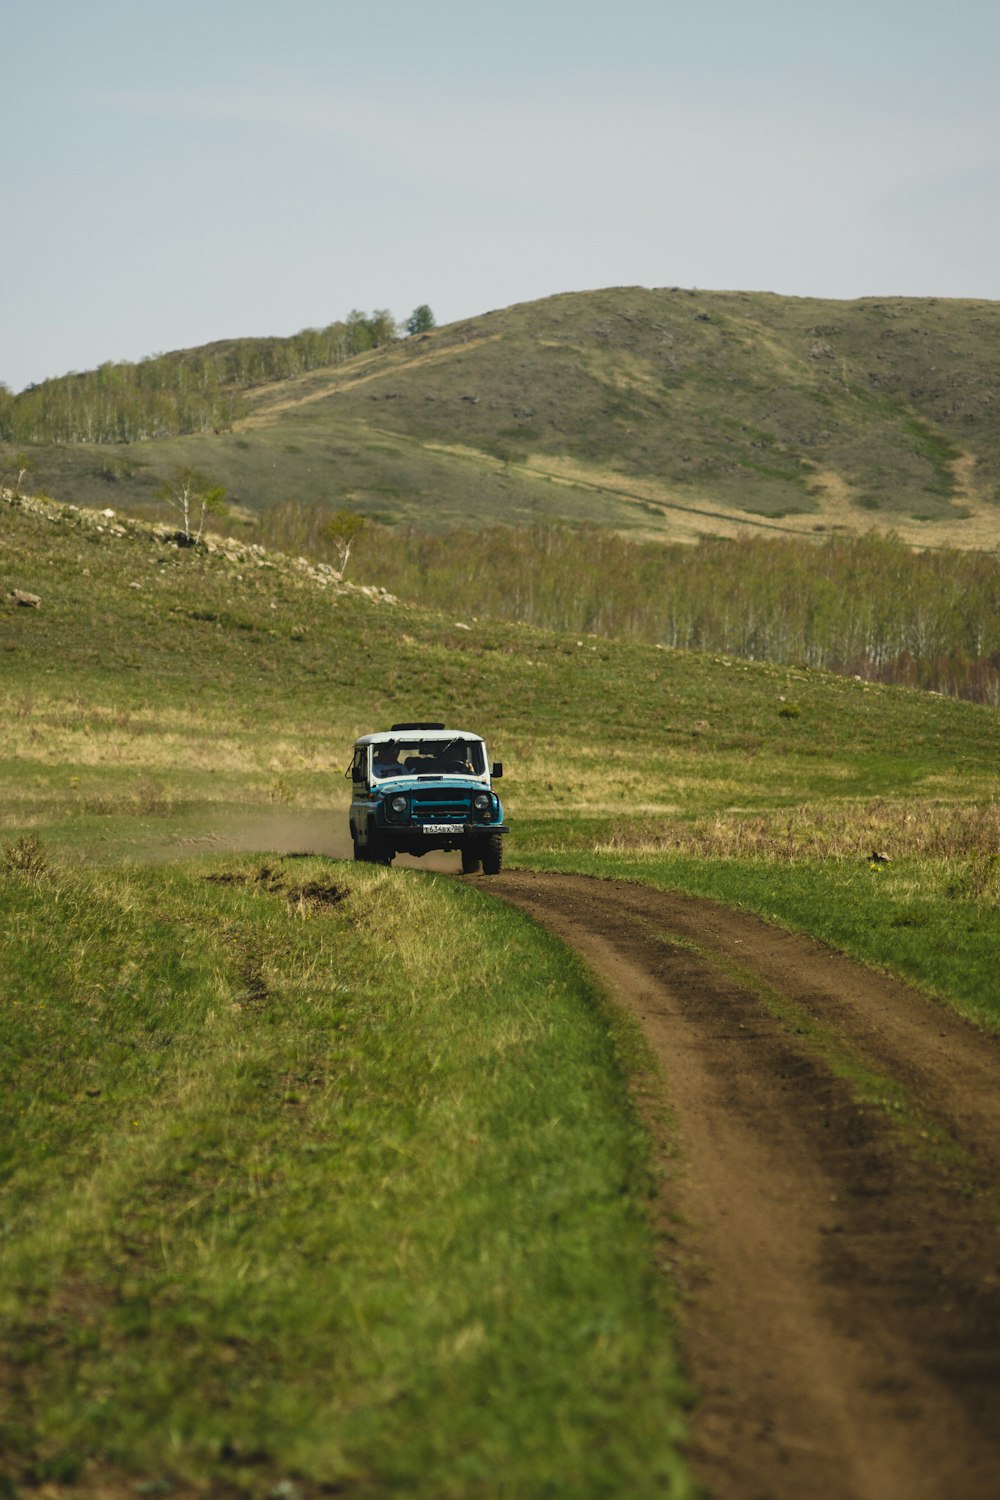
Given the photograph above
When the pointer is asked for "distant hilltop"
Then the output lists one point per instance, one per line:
(667, 412)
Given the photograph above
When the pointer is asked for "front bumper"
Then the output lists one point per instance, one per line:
(418, 838)
(445, 830)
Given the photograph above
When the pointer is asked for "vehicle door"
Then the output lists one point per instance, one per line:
(361, 790)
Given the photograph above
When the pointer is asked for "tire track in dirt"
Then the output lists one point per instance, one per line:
(842, 1309)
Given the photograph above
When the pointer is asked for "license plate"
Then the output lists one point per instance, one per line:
(438, 827)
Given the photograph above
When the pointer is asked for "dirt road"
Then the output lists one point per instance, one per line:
(840, 1258)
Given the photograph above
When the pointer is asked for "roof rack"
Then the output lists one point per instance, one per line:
(394, 727)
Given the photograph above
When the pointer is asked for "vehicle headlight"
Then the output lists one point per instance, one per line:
(482, 802)
(397, 805)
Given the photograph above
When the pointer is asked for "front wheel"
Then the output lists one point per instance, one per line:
(492, 853)
(470, 859)
(379, 852)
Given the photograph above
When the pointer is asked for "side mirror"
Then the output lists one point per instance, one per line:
(357, 773)
(497, 770)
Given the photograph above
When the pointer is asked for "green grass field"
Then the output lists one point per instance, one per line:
(294, 1193)
(319, 1175)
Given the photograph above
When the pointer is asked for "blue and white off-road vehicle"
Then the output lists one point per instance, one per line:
(419, 787)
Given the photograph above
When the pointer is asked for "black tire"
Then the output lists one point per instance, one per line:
(379, 852)
(359, 853)
(471, 859)
(492, 853)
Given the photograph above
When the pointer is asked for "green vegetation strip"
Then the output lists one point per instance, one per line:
(864, 605)
(317, 1176)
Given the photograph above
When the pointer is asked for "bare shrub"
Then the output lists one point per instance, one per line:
(151, 799)
(25, 856)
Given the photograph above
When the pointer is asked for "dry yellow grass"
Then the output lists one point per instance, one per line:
(687, 517)
(828, 830)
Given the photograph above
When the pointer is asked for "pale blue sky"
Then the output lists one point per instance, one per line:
(178, 172)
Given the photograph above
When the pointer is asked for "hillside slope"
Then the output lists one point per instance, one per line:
(225, 674)
(670, 412)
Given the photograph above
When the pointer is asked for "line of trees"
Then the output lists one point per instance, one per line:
(191, 390)
(865, 606)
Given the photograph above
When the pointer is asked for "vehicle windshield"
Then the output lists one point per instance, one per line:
(418, 757)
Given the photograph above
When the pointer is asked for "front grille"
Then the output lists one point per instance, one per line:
(440, 805)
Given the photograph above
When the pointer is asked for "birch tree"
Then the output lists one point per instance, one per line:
(189, 493)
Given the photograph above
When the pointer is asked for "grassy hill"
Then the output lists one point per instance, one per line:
(666, 412)
(159, 698)
(325, 1178)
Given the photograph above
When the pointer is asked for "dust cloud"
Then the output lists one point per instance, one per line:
(285, 831)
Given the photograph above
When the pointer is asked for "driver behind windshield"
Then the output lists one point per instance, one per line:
(386, 761)
(455, 759)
